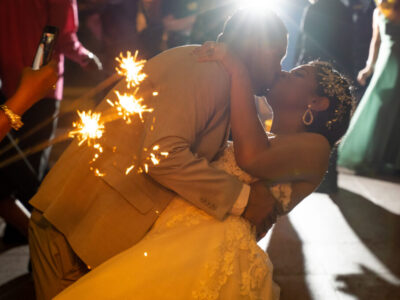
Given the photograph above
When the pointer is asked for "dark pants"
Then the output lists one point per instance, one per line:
(18, 179)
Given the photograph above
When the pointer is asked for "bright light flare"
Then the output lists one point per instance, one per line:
(258, 5)
(88, 129)
(128, 105)
(131, 68)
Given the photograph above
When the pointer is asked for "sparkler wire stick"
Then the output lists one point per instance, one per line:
(90, 128)
(22, 155)
(45, 144)
(89, 94)
(34, 149)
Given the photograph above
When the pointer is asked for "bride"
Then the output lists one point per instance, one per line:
(191, 255)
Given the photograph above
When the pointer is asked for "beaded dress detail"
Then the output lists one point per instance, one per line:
(188, 254)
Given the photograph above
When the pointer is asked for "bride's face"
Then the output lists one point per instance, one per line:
(294, 89)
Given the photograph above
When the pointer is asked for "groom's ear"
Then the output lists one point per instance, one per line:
(320, 103)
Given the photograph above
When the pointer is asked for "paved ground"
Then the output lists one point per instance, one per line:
(342, 248)
(327, 249)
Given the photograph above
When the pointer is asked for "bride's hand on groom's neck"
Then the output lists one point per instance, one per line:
(219, 52)
(260, 210)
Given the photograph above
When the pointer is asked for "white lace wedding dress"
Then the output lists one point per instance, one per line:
(187, 255)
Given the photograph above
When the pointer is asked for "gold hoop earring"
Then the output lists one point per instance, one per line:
(308, 116)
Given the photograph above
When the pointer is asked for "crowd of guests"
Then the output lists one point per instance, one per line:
(356, 38)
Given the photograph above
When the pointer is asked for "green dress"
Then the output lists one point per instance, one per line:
(372, 142)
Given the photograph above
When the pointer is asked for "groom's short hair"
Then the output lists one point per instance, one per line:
(250, 26)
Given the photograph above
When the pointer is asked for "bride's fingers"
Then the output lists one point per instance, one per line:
(204, 48)
(207, 52)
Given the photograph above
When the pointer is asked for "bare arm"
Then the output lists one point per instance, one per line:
(247, 131)
(301, 159)
(33, 86)
(373, 51)
(298, 157)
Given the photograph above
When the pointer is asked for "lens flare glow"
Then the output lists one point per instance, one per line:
(258, 5)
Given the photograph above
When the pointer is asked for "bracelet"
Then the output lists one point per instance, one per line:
(14, 119)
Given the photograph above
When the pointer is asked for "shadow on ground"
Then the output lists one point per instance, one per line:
(379, 231)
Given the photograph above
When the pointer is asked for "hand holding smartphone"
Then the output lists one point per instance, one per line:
(46, 47)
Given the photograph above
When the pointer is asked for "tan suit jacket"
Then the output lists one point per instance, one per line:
(102, 216)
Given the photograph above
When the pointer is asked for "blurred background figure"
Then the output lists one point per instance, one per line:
(211, 19)
(178, 17)
(362, 33)
(150, 27)
(327, 34)
(21, 25)
(113, 24)
(372, 144)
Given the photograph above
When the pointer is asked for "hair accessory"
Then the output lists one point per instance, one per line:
(334, 85)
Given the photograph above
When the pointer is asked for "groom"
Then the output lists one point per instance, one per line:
(81, 220)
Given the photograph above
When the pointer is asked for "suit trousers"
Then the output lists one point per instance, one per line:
(55, 265)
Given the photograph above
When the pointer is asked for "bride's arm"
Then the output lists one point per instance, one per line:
(300, 157)
(248, 133)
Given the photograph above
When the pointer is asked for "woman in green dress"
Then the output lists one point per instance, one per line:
(372, 143)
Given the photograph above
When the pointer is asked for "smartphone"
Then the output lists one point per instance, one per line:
(45, 49)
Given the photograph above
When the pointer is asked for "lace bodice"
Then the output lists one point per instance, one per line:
(227, 162)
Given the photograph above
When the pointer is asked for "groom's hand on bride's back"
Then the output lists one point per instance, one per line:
(260, 210)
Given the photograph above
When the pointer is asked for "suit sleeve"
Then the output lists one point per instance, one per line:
(189, 109)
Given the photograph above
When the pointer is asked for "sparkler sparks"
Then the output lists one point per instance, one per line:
(153, 158)
(131, 68)
(88, 129)
(97, 172)
(128, 105)
(91, 126)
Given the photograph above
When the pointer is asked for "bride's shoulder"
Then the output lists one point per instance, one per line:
(316, 141)
(308, 140)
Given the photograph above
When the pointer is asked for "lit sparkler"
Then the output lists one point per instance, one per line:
(128, 105)
(91, 127)
(131, 68)
(88, 129)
